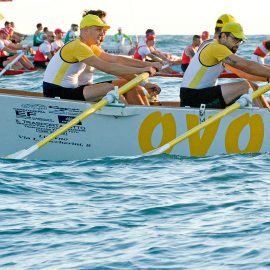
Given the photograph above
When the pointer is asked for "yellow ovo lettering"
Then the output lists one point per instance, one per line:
(255, 140)
(148, 126)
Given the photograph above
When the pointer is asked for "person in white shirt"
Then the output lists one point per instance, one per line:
(7, 47)
(58, 41)
(44, 53)
(143, 51)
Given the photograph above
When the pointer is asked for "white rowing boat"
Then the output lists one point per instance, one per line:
(118, 130)
(123, 49)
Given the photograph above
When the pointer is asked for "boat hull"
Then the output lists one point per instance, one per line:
(119, 130)
(17, 72)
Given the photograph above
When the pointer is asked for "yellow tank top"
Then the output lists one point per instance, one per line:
(66, 65)
(206, 65)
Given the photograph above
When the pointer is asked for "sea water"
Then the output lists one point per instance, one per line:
(156, 212)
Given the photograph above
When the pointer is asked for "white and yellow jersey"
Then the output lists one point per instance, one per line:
(66, 65)
(206, 65)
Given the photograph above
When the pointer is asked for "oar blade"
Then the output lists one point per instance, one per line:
(158, 151)
(23, 153)
(18, 155)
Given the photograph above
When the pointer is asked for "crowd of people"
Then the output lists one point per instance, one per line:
(10, 48)
(70, 60)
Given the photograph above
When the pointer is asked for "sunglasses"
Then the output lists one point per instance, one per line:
(236, 40)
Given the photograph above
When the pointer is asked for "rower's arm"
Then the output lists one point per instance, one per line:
(190, 52)
(247, 66)
(160, 55)
(115, 38)
(9, 50)
(128, 38)
(242, 74)
(155, 58)
(116, 68)
(127, 61)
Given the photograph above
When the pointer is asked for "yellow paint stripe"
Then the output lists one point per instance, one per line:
(197, 78)
(61, 73)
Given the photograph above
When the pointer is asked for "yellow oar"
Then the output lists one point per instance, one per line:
(122, 90)
(208, 122)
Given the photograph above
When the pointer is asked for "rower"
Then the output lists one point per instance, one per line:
(261, 52)
(87, 76)
(16, 37)
(222, 21)
(143, 49)
(199, 81)
(44, 52)
(190, 51)
(38, 35)
(71, 33)
(205, 35)
(62, 73)
(6, 47)
(120, 39)
(58, 40)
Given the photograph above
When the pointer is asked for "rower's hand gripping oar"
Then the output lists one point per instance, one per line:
(145, 92)
(106, 100)
(9, 65)
(241, 102)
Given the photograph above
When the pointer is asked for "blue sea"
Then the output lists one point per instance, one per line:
(157, 212)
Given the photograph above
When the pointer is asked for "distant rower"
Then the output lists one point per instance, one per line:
(261, 52)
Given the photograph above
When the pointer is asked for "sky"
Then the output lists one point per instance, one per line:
(172, 17)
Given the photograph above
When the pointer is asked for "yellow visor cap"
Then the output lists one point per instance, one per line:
(223, 19)
(92, 20)
(235, 29)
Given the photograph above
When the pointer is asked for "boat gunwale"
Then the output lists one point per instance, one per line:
(159, 104)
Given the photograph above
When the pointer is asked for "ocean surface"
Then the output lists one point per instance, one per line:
(156, 212)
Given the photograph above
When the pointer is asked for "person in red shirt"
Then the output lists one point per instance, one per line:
(189, 51)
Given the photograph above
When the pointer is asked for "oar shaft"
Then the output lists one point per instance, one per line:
(73, 122)
(199, 127)
(8, 66)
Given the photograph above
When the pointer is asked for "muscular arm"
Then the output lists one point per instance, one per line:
(128, 38)
(9, 50)
(154, 57)
(115, 68)
(190, 52)
(242, 74)
(247, 66)
(158, 53)
(49, 55)
(126, 61)
(13, 46)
